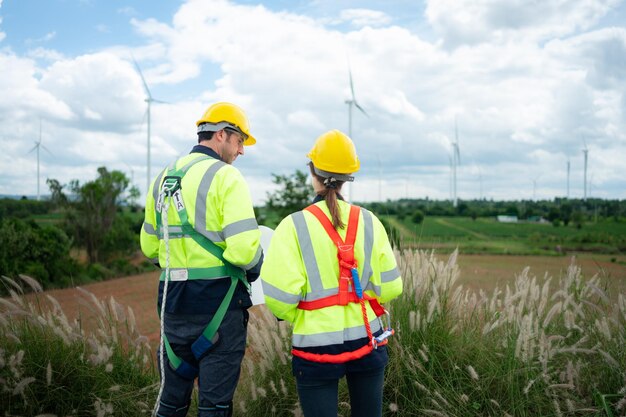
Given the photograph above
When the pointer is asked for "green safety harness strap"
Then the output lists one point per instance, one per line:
(170, 188)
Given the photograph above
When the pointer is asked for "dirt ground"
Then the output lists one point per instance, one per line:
(477, 272)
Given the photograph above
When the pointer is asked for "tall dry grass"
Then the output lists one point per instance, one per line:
(544, 346)
(51, 366)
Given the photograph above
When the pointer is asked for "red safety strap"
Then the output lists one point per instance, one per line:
(345, 255)
(345, 249)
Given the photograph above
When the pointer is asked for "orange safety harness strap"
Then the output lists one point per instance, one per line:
(347, 276)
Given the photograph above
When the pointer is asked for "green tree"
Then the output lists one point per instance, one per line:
(42, 252)
(418, 216)
(294, 194)
(92, 210)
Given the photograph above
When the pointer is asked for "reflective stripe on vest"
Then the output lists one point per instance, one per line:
(345, 293)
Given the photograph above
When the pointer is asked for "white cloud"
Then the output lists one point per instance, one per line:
(461, 22)
(103, 91)
(303, 118)
(524, 92)
(365, 17)
(44, 39)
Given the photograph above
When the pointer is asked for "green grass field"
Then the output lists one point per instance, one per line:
(492, 237)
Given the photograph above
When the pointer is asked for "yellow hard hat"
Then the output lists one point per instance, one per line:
(334, 152)
(226, 115)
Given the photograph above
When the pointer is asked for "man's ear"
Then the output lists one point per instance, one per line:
(220, 135)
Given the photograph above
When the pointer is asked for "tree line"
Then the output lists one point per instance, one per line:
(99, 219)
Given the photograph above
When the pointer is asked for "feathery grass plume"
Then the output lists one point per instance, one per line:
(556, 308)
(434, 413)
(12, 283)
(48, 341)
(32, 283)
(49, 374)
(603, 328)
(621, 404)
(527, 388)
(472, 372)
(393, 407)
(557, 408)
(19, 387)
(442, 399)
(242, 407)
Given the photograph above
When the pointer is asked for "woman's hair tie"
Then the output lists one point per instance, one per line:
(330, 182)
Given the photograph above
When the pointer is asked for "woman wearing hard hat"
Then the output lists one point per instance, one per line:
(327, 271)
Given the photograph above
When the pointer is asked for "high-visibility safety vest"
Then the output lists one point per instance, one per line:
(308, 279)
(212, 234)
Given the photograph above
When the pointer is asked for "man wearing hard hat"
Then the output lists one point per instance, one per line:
(200, 228)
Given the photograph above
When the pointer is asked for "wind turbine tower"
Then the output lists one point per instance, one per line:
(36, 147)
(568, 168)
(535, 187)
(586, 154)
(149, 99)
(456, 159)
(352, 102)
(480, 179)
(451, 177)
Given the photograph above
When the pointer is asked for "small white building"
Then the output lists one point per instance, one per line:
(507, 219)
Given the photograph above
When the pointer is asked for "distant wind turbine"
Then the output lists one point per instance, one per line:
(568, 168)
(586, 154)
(380, 179)
(480, 180)
(451, 178)
(36, 147)
(535, 187)
(456, 159)
(149, 99)
(352, 102)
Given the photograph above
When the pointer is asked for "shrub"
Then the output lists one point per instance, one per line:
(417, 217)
(42, 251)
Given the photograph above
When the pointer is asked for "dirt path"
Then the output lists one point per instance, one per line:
(137, 291)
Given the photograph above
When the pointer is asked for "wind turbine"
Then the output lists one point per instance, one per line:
(380, 179)
(535, 187)
(456, 161)
(451, 178)
(568, 167)
(352, 102)
(480, 180)
(37, 146)
(585, 153)
(149, 99)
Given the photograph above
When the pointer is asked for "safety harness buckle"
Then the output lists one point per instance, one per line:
(170, 185)
(382, 338)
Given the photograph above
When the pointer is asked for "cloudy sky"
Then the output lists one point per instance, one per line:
(528, 84)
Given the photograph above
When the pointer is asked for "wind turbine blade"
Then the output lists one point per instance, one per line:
(361, 108)
(47, 150)
(154, 100)
(143, 80)
(351, 84)
(33, 148)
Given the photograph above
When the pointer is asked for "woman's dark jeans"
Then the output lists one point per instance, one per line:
(319, 397)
